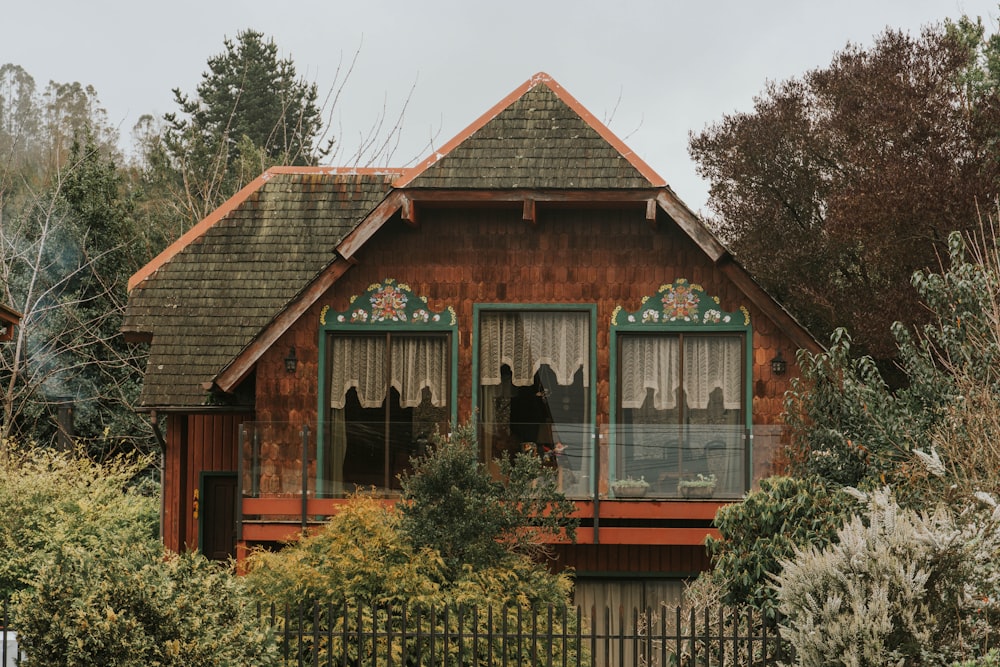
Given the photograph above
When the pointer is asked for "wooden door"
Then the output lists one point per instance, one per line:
(218, 515)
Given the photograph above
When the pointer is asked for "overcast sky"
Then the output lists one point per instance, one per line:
(654, 70)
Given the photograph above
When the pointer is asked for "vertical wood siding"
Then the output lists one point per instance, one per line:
(195, 443)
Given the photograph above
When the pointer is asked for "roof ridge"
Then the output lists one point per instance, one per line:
(540, 78)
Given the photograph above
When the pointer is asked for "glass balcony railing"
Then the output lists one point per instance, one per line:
(281, 460)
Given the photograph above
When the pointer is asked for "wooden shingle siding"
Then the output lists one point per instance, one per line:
(458, 258)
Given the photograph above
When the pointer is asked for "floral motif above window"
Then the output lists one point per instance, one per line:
(389, 302)
(681, 302)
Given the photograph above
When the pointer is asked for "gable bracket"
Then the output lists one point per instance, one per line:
(409, 212)
(651, 212)
(528, 214)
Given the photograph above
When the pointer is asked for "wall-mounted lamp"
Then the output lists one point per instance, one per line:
(291, 361)
(778, 364)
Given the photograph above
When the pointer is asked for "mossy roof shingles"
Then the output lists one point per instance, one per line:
(537, 141)
(210, 300)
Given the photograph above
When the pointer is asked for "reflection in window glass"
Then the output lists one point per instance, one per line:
(681, 411)
(534, 386)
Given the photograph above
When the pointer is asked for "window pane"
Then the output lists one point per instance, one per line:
(534, 390)
(372, 432)
(681, 410)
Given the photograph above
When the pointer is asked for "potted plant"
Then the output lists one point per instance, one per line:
(630, 487)
(700, 487)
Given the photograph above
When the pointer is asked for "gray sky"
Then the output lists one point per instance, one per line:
(653, 70)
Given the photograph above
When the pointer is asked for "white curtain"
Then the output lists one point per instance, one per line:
(416, 362)
(650, 362)
(359, 362)
(525, 340)
(419, 362)
(712, 362)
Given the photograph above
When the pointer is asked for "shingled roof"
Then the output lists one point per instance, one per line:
(206, 298)
(218, 297)
(537, 137)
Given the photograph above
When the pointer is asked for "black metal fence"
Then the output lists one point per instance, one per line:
(384, 636)
(664, 637)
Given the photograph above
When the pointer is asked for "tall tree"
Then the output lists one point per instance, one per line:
(67, 258)
(251, 111)
(839, 184)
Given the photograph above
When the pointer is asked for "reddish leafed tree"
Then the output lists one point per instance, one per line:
(841, 183)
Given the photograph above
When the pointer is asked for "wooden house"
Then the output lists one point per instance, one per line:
(308, 336)
(9, 318)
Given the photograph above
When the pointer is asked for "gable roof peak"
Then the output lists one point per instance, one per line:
(508, 146)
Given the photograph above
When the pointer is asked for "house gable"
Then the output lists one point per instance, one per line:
(537, 137)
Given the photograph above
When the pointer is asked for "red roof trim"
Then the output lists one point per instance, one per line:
(541, 78)
(233, 202)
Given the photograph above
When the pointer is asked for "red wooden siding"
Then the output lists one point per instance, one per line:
(195, 443)
(631, 559)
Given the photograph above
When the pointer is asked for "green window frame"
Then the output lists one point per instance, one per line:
(387, 312)
(694, 432)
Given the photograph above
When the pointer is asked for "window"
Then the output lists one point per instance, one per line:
(389, 392)
(534, 389)
(680, 371)
(386, 385)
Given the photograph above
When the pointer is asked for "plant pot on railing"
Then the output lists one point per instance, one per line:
(699, 487)
(630, 488)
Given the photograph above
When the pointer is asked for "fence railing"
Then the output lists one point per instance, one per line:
(568, 636)
(331, 635)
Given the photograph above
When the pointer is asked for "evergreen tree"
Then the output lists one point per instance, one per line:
(251, 111)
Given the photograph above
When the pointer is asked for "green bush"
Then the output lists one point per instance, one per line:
(134, 605)
(458, 540)
(765, 529)
(50, 500)
(896, 587)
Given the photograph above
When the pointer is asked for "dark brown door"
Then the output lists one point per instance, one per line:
(218, 516)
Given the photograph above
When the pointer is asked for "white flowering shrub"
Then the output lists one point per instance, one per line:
(898, 587)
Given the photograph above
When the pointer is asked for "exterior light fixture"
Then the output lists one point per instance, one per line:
(292, 362)
(778, 364)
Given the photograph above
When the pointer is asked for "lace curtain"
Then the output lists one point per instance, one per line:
(526, 340)
(415, 362)
(712, 362)
(653, 362)
(650, 362)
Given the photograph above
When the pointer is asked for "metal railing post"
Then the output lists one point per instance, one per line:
(305, 476)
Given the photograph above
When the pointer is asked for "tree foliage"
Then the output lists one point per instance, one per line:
(452, 504)
(841, 183)
(250, 111)
(66, 252)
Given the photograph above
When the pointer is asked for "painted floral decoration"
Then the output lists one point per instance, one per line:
(388, 303)
(680, 303)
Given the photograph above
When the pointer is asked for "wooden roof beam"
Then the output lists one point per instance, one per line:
(409, 211)
(528, 213)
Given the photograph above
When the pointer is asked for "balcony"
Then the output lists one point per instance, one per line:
(293, 476)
